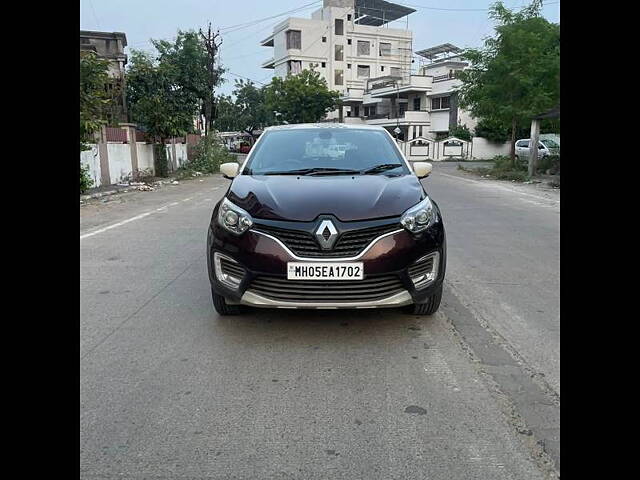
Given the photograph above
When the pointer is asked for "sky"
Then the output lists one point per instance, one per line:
(463, 23)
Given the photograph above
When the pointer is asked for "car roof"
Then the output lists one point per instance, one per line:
(349, 126)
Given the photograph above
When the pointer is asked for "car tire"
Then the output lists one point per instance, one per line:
(222, 307)
(429, 307)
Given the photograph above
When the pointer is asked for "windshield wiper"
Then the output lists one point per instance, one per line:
(330, 171)
(381, 168)
(302, 171)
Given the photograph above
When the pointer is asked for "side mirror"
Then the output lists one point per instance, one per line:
(229, 170)
(422, 169)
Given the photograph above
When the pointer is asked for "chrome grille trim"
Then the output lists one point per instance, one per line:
(327, 259)
(349, 244)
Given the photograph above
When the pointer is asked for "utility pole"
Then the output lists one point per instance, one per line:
(212, 43)
(534, 138)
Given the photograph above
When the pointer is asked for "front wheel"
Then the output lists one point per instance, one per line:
(429, 307)
(222, 307)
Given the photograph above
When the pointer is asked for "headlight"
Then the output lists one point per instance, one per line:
(233, 218)
(419, 217)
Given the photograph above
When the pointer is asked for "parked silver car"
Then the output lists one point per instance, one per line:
(546, 146)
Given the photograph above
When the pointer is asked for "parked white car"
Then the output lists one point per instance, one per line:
(546, 146)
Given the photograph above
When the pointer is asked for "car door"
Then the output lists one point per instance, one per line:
(522, 148)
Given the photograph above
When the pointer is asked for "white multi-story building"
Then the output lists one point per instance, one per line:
(346, 41)
(350, 43)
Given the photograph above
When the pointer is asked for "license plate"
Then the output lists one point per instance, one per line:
(324, 271)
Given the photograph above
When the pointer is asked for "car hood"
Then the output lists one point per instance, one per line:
(359, 197)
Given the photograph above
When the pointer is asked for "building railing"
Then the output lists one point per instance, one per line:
(444, 78)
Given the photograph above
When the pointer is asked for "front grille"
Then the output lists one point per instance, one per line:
(349, 244)
(369, 289)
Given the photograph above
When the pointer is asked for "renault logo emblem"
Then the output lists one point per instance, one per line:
(326, 234)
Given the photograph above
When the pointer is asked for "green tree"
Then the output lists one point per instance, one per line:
(253, 111)
(189, 62)
(94, 100)
(301, 98)
(517, 73)
(227, 115)
(159, 102)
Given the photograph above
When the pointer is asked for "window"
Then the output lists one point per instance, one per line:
(294, 66)
(439, 103)
(416, 103)
(324, 64)
(324, 39)
(348, 65)
(363, 71)
(339, 49)
(339, 26)
(356, 112)
(385, 49)
(348, 41)
(348, 17)
(294, 39)
(363, 47)
(338, 77)
(382, 68)
(395, 71)
(523, 143)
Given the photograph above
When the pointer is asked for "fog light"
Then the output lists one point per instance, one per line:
(425, 270)
(228, 271)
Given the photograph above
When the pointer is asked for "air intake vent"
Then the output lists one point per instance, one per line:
(371, 288)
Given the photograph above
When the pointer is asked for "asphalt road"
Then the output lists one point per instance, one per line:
(169, 390)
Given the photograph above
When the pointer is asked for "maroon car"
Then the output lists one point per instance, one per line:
(326, 216)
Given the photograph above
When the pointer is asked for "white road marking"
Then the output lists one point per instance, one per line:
(500, 187)
(132, 219)
(115, 225)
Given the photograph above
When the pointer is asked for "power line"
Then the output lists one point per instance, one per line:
(255, 22)
(425, 7)
(246, 78)
(242, 26)
(94, 14)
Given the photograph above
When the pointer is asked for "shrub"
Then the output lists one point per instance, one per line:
(550, 163)
(462, 132)
(209, 153)
(85, 180)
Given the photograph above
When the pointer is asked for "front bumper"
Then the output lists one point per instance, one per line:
(386, 259)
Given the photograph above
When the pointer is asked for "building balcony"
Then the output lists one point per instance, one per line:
(267, 42)
(408, 117)
(390, 86)
(353, 95)
(269, 63)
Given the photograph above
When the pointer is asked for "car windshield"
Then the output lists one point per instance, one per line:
(325, 151)
(549, 143)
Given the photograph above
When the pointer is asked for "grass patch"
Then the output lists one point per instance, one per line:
(502, 169)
